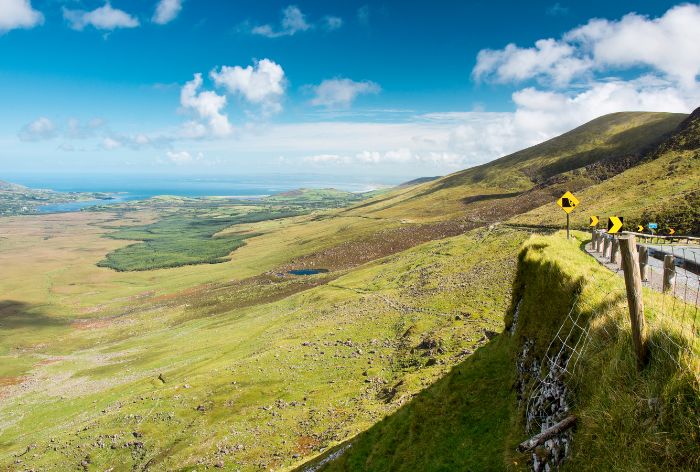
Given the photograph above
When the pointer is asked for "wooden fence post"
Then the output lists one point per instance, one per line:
(614, 250)
(633, 283)
(606, 247)
(593, 236)
(599, 243)
(644, 262)
(669, 272)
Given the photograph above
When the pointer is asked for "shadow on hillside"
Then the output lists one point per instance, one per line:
(489, 196)
(461, 422)
(18, 315)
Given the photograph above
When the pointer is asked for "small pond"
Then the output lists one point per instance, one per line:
(307, 271)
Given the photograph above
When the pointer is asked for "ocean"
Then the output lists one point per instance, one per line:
(130, 187)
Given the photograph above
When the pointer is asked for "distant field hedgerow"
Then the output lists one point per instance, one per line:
(182, 240)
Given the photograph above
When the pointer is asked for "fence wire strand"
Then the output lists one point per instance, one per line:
(671, 313)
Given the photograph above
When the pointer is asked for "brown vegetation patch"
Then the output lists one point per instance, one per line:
(50, 360)
(383, 243)
(306, 444)
(92, 323)
(6, 382)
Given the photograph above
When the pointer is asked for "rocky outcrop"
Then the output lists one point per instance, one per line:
(543, 399)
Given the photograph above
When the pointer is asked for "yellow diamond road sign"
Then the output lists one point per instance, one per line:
(568, 202)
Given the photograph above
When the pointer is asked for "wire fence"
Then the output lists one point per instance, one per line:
(670, 271)
(546, 399)
(670, 275)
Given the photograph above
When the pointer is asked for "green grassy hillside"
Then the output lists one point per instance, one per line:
(472, 419)
(471, 193)
(259, 372)
(664, 188)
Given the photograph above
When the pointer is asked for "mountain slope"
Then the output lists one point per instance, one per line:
(472, 419)
(611, 139)
(664, 187)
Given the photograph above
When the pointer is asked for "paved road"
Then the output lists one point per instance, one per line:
(687, 257)
(687, 283)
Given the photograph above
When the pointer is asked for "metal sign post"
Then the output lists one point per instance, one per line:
(568, 202)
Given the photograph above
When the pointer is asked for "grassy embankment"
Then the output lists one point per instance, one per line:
(470, 419)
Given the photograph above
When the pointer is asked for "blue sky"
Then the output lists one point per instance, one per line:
(395, 89)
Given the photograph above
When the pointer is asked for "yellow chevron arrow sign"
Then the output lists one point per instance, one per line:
(640, 228)
(671, 231)
(594, 220)
(614, 224)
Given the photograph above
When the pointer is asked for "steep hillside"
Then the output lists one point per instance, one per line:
(475, 416)
(617, 140)
(664, 187)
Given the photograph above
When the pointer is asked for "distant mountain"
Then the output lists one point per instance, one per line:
(662, 187)
(419, 180)
(526, 179)
(8, 186)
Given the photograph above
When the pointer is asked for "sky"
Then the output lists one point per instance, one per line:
(392, 89)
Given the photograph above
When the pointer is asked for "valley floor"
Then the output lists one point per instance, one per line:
(235, 364)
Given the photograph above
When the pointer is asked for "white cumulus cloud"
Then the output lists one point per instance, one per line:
(167, 11)
(207, 106)
(104, 18)
(341, 92)
(16, 14)
(38, 130)
(331, 23)
(110, 144)
(667, 45)
(263, 83)
(550, 59)
(293, 21)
